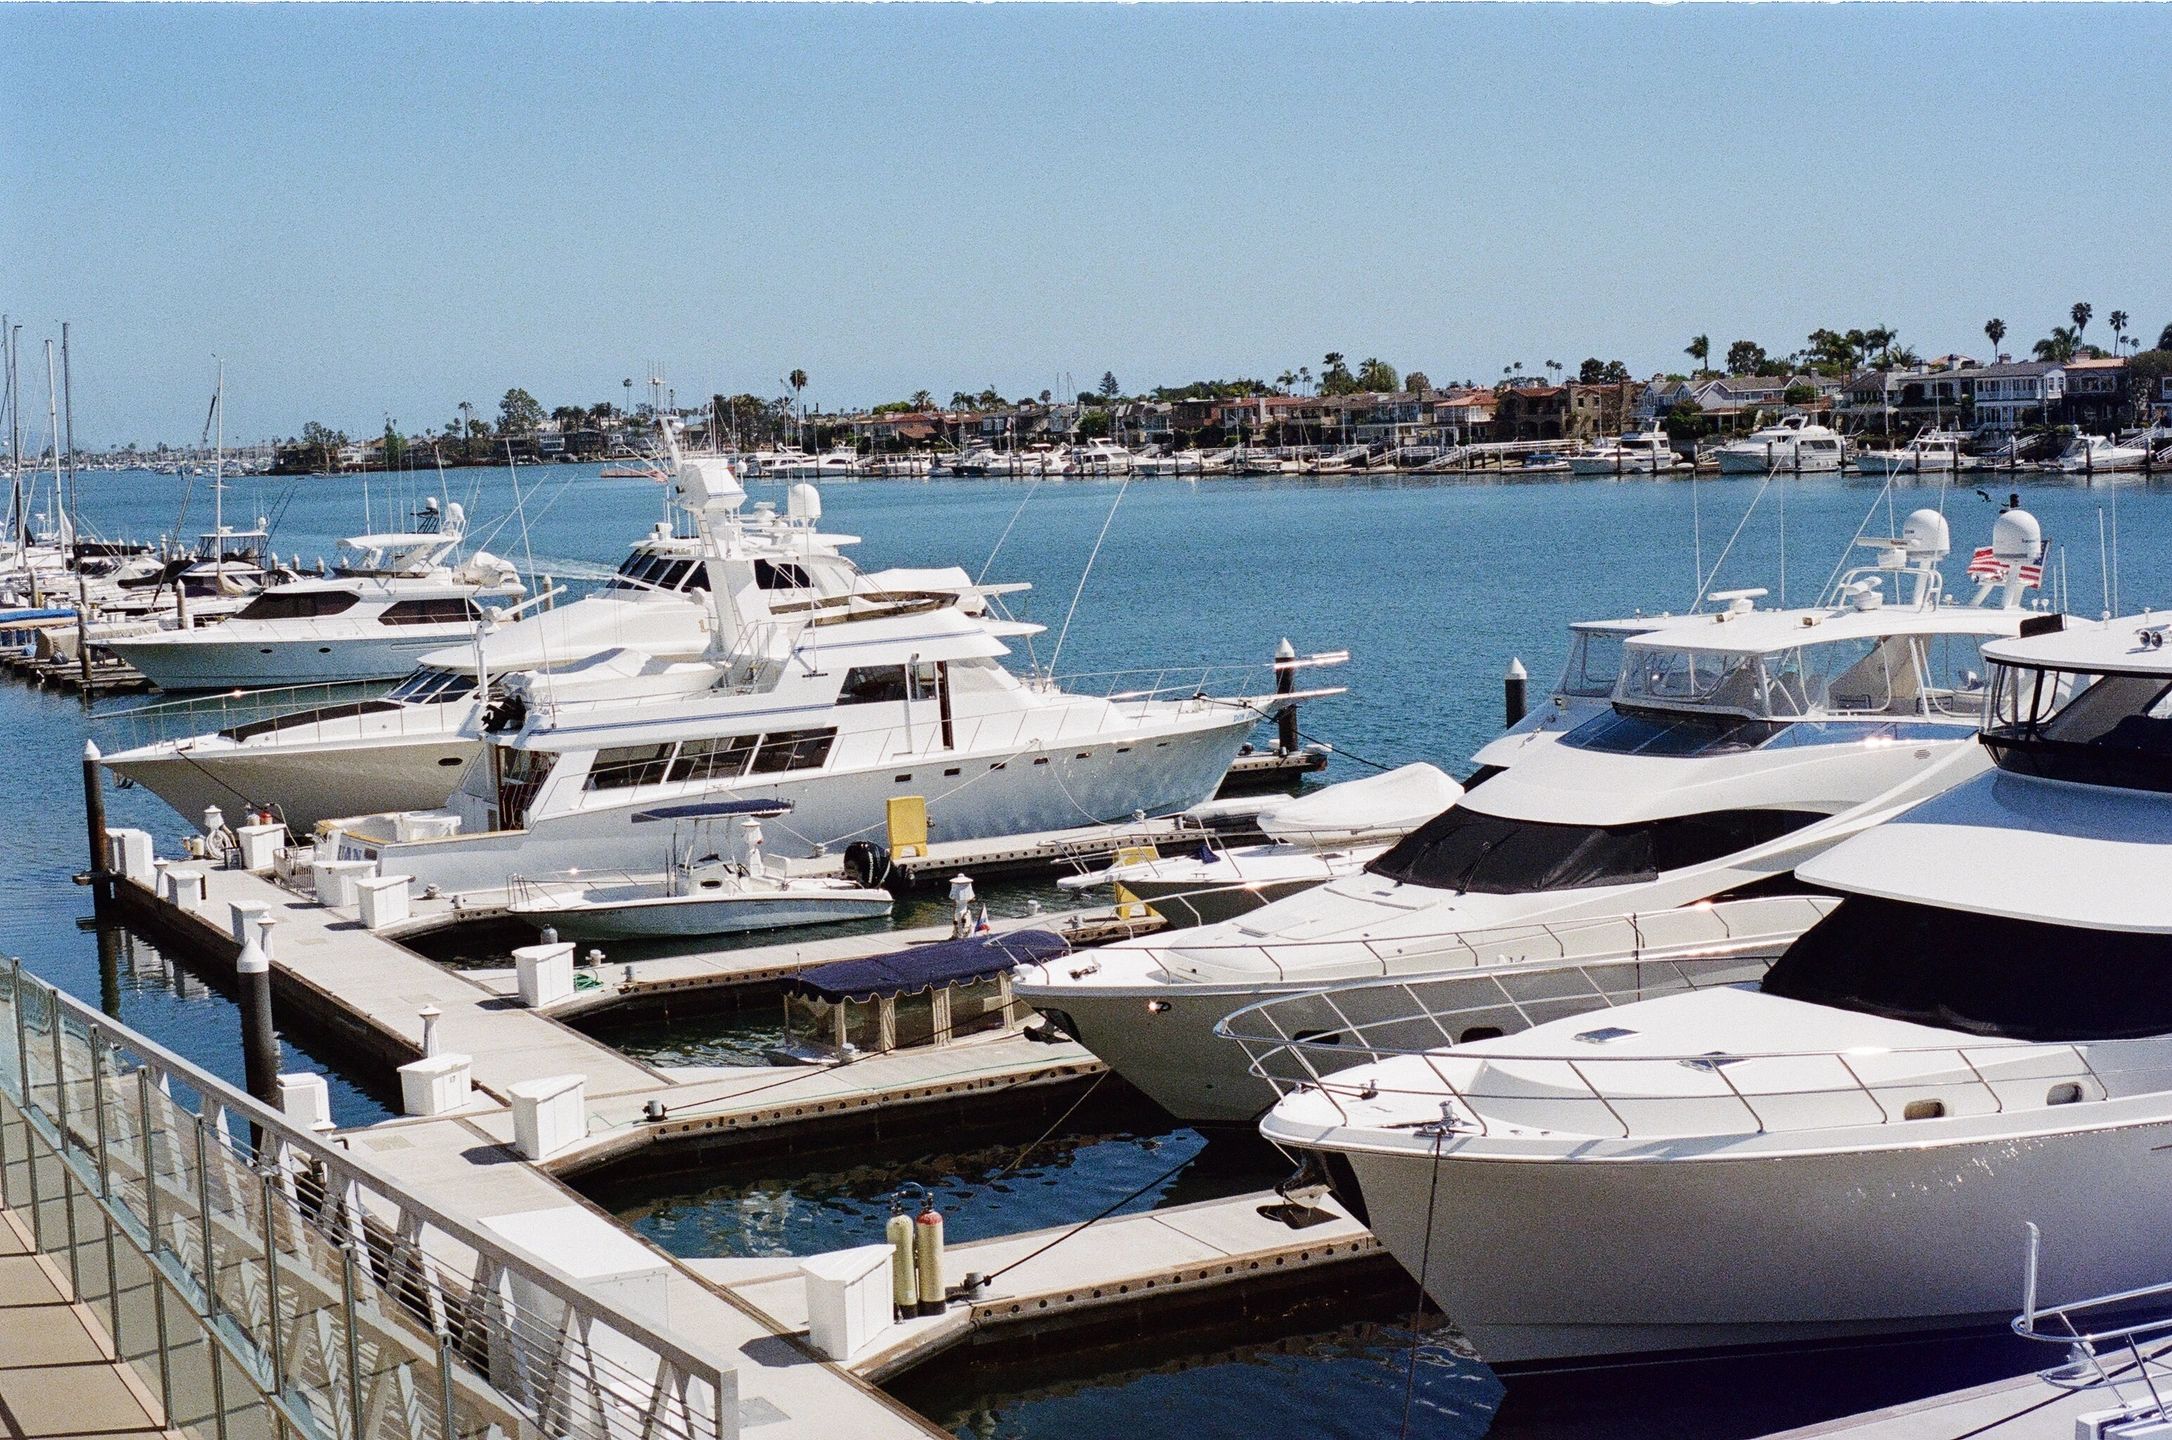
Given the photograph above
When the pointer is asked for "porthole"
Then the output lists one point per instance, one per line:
(1924, 1110)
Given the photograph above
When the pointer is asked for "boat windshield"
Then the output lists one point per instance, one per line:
(1464, 850)
(2085, 726)
(1981, 974)
(1594, 663)
(1866, 675)
(432, 686)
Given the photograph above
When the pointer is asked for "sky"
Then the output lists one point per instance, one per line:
(373, 211)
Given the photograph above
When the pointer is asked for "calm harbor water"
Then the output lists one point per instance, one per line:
(1433, 585)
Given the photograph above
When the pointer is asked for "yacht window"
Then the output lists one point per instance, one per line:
(697, 577)
(1464, 849)
(1675, 734)
(297, 605)
(433, 687)
(719, 759)
(1594, 664)
(872, 685)
(299, 719)
(780, 575)
(623, 766)
(452, 610)
(2089, 728)
(1981, 974)
(520, 774)
(1716, 678)
(673, 575)
(1953, 671)
(793, 750)
(1865, 675)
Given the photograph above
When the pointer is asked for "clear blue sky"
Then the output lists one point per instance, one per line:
(395, 208)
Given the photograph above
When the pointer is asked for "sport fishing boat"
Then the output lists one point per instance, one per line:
(1975, 1040)
(1634, 452)
(392, 598)
(2093, 454)
(1933, 452)
(1797, 444)
(703, 892)
(1738, 744)
(317, 758)
(836, 703)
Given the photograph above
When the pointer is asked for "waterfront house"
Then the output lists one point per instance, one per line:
(1602, 409)
(2097, 395)
(1532, 412)
(2016, 394)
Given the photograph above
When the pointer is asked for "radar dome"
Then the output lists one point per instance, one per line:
(804, 502)
(1925, 534)
(2016, 535)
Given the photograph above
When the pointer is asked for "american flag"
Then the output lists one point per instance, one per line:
(1984, 565)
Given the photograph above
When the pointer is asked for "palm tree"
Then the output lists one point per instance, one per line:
(2059, 346)
(1699, 349)
(1304, 377)
(1285, 380)
(2118, 321)
(1553, 369)
(2080, 316)
(922, 400)
(1994, 329)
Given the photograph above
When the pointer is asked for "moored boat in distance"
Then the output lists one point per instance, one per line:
(1633, 452)
(1933, 451)
(1796, 444)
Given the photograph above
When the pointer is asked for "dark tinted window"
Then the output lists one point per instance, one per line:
(455, 610)
(296, 605)
(1981, 974)
(780, 575)
(1629, 731)
(720, 759)
(1462, 849)
(623, 766)
(872, 685)
(793, 750)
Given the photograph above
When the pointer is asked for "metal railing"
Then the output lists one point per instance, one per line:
(1687, 929)
(2105, 1338)
(128, 727)
(264, 1283)
(1425, 1084)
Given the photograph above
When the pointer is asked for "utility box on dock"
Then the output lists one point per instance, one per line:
(549, 1115)
(335, 879)
(605, 1261)
(545, 973)
(382, 899)
(247, 920)
(304, 1100)
(128, 854)
(260, 845)
(848, 1299)
(187, 887)
(436, 1085)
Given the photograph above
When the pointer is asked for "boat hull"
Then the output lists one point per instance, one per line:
(193, 660)
(1694, 1248)
(691, 917)
(303, 785)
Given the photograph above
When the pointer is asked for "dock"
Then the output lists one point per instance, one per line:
(2026, 1407)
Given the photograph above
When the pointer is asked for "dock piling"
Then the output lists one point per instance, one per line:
(94, 821)
(1285, 682)
(1515, 686)
(259, 1036)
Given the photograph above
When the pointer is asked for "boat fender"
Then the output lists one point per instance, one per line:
(904, 1285)
(928, 1257)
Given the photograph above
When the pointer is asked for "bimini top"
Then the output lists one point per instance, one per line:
(925, 967)
(2132, 645)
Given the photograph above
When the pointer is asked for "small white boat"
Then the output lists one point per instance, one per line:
(1932, 452)
(1634, 452)
(2093, 454)
(703, 892)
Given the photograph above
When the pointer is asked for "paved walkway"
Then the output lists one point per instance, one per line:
(57, 1376)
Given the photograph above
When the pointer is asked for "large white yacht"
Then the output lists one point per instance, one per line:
(1738, 744)
(1933, 451)
(1977, 1037)
(1797, 445)
(392, 599)
(832, 701)
(1633, 452)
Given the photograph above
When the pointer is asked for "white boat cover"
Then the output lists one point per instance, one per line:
(1379, 807)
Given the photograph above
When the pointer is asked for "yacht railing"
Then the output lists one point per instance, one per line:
(1689, 929)
(130, 726)
(1455, 1092)
(2105, 1338)
(259, 1278)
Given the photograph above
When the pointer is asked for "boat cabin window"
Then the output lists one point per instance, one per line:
(2083, 726)
(781, 575)
(1982, 974)
(659, 572)
(1466, 850)
(1953, 676)
(621, 767)
(1594, 664)
(297, 605)
(1861, 675)
(452, 610)
(1676, 734)
(793, 750)
(430, 686)
(872, 685)
(723, 758)
(519, 775)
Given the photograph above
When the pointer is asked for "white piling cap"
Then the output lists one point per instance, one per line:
(1285, 651)
(91, 751)
(1516, 670)
(252, 960)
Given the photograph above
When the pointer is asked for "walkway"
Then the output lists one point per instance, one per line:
(57, 1375)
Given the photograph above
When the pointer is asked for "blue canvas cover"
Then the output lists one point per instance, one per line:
(924, 967)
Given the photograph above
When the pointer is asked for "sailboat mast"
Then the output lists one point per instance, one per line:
(11, 341)
(218, 485)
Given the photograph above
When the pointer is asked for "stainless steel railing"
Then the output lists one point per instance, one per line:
(265, 1283)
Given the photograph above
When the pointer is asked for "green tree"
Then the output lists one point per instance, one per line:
(1699, 349)
(922, 400)
(395, 446)
(1304, 372)
(1109, 388)
(1687, 421)
(1375, 374)
(323, 444)
(1994, 330)
(1592, 371)
(1417, 382)
(519, 413)
(2080, 316)
(1615, 373)
(2164, 338)
(2145, 373)
(2059, 346)
(1800, 393)
(959, 400)
(1335, 376)
(1285, 380)
(1745, 357)
(1093, 424)
(2118, 321)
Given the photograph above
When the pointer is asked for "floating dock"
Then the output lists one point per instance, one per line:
(2027, 1407)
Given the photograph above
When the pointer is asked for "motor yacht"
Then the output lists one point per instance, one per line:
(1634, 452)
(1738, 743)
(1097, 457)
(1797, 444)
(1973, 1040)
(1932, 452)
(835, 703)
(2095, 455)
(393, 598)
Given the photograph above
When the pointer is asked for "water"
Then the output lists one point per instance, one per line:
(1433, 584)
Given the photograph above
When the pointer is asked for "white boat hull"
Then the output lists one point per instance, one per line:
(1718, 1245)
(194, 660)
(694, 916)
(1736, 462)
(303, 785)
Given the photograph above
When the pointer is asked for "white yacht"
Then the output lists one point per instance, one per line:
(1796, 445)
(1738, 744)
(835, 703)
(393, 598)
(315, 757)
(1933, 452)
(1975, 1039)
(1097, 457)
(2095, 455)
(1634, 452)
